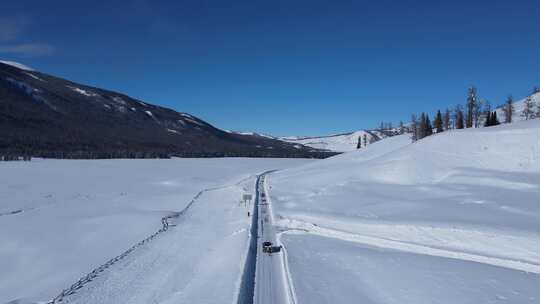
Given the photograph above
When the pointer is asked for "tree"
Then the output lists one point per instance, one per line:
(472, 105)
(477, 112)
(528, 108)
(438, 122)
(422, 126)
(488, 121)
(401, 127)
(365, 140)
(446, 120)
(486, 111)
(494, 119)
(508, 109)
(359, 144)
(429, 128)
(414, 128)
(459, 119)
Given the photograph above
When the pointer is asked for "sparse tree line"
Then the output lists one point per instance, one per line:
(474, 114)
(363, 141)
(385, 128)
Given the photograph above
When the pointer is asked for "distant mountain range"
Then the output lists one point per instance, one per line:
(46, 116)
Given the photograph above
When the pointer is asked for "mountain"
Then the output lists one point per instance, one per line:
(46, 116)
(341, 142)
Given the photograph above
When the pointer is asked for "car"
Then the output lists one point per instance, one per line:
(267, 247)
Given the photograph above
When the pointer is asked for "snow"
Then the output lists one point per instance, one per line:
(119, 100)
(149, 113)
(83, 92)
(172, 131)
(17, 65)
(34, 76)
(453, 216)
(519, 105)
(193, 121)
(326, 270)
(57, 224)
(338, 143)
(30, 90)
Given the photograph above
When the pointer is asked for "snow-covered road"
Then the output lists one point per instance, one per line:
(272, 284)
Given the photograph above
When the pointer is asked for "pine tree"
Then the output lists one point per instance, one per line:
(472, 105)
(494, 119)
(488, 121)
(359, 144)
(508, 109)
(446, 120)
(459, 120)
(429, 128)
(414, 128)
(439, 122)
(486, 111)
(365, 140)
(423, 127)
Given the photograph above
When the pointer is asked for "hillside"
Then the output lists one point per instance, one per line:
(46, 116)
(519, 105)
(452, 216)
(340, 142)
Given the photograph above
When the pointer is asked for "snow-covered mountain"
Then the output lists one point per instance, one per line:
(47, 116)
(341, 142)
(17, 65)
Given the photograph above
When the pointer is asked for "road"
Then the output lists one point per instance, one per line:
(271, 283)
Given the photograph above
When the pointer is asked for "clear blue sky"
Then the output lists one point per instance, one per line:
(284, 67)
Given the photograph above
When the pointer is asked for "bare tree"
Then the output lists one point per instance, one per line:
(508, 109)
(446, 120)
(472, 104)
(528, 108)
(458, 110)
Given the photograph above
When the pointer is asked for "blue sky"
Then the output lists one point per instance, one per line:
(284, 67)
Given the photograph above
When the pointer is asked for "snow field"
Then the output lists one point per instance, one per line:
(453, 218)
(59, 219)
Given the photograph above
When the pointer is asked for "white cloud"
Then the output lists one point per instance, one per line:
(27, 49)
